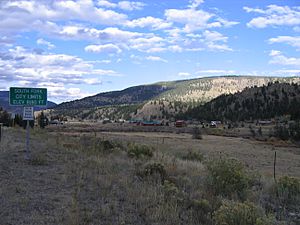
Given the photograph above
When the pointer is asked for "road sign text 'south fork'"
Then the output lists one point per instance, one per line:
(28, 98)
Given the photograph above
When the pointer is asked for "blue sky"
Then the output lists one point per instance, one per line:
(80, 48)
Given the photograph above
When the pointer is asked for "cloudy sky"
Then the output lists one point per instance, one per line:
(79, 48)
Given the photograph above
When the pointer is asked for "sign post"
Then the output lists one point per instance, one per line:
(27, 115)
(13, 117)
(28, 98)
(0, 131)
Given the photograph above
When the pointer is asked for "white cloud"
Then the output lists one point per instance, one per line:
(151, 44)
(195, 3)
(280, 59)
(216, 41)
(191, 18)
(38, 14)
(216, 72)
(109, 34)
(206, 40)
(184, 74)
(196, 19)
(149, 21)
(274, 16)
(61, 93)
(288, 72)
(175, 48)
(105, 61)
(107, 4)
(108, 48)
(22, 66)
(292, 41)
(226, 23)
(274, 53)
(127, 5)
(156, 58)
(76, 20)
(124, 5)
(41, 41)
(212, 36)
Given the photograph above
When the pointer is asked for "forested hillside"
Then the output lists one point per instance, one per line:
(132, 95)
(269, 101)
(163, 99)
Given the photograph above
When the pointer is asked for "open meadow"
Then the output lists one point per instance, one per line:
(86, 174)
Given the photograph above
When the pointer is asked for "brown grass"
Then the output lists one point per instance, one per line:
(72, 182)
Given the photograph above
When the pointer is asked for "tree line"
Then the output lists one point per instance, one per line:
(266, 102)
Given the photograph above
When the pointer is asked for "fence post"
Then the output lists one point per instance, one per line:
(274, 168)
(0, 131)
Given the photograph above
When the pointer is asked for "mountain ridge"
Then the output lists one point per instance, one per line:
(162, 99)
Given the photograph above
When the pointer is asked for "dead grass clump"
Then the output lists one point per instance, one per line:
(193, 156)
(102, 147)
(70, 145)
(38, 160)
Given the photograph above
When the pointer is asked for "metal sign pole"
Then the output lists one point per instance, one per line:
(27, 153)
(0, 131)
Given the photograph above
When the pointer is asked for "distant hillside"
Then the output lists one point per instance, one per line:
(132, 95)
(4, 103)
(163, 99)
(188, 94)
(266, 102)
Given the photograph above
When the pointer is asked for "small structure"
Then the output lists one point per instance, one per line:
(56, 122)
(264, 122)
(106, 121)
(180, 123)
(151, 123)
(214, 124)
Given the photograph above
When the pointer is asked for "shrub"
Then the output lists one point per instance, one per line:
(252, 131)
(236, 213)
(295, 131)
(284, 198)
(38, 160)
(227, 177)
(259, 131)
(170, 189)
(139, 151)
(155, 171)
(196, 133)
(193, 156)
(202, 210)
(288, 189)
(281, 132)
(104, 146)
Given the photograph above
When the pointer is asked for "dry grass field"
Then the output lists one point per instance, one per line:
(93, 176)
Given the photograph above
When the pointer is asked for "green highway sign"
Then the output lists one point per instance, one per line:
(27, 96)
